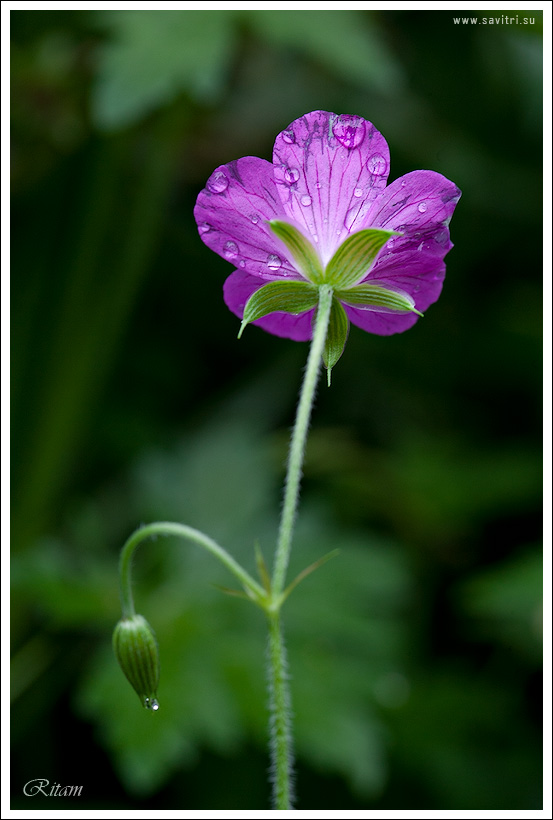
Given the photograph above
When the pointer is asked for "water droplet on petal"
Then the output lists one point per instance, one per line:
(242, 263)
(349, 130)
(254, 218)
(217, 182)
(230, 250)
(358, 192)
(377, 165)
(305, 200)
(273, 261)
(203, 228)
(291, 175)
(352, 215)
(422, 207)
(289, 136)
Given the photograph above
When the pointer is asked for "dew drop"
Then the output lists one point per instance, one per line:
(291, 175)
(154, 705)
(422, 207)
(254, 218)
(352, 215)
(217, 182)
(358, 192)
(230, 250)
(349, 130)
(203, 228)
(289, 136)
(377, 165)
(242, 263)
(306, 200)
(273, 261)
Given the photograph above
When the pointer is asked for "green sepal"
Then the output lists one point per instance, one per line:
(304, 254)
(336, 337)
(369, 295)
(355, 256)
(291, 296)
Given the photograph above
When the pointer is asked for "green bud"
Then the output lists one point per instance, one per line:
(135, 648)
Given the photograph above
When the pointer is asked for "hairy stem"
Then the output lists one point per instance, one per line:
(281, 739)
(299, 437)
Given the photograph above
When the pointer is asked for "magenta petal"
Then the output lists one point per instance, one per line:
(329, 169)
(417, 272)
(237, 290)
(419, 205)
(232, 212)
(382, 324)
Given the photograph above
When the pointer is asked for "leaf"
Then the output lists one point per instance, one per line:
(303, 252)
(378, 297)
(154, 56)
(336, 337)
(288, 297)
(355, 256)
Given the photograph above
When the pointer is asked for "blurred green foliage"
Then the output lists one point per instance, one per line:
(415, 654)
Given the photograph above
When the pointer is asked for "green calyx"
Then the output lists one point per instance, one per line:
(346, 269)
(355, 257)
(285, 296)
(135, 648)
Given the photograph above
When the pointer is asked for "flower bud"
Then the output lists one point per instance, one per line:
(135, 648)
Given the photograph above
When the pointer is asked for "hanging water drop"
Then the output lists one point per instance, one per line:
(217, 182)
(377, 165)
(203, 228)
(349, 130)
(291, 175)
(230, 250)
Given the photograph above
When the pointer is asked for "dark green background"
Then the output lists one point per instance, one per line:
(415, 655)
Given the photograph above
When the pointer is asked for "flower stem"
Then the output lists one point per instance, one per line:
(168, 528)
(299, 437)
(281, 741)
(281, 736)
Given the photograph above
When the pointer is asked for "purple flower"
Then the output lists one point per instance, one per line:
(321, 213)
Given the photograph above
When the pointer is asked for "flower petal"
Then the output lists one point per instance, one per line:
(382, 324)
(416, 272)
(329, 169)
(418, 205)
(237, 290)
(232, 213)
